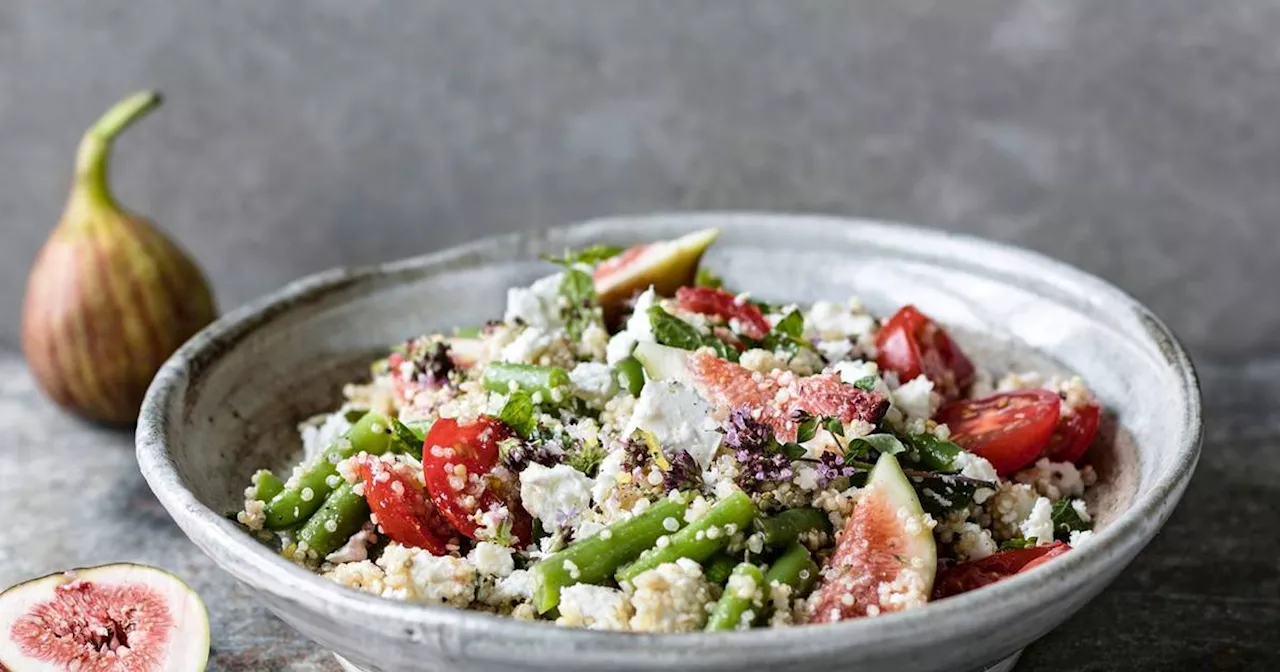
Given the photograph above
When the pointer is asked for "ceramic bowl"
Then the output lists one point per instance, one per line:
(228, 402)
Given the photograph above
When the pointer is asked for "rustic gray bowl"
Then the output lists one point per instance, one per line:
(228, 400)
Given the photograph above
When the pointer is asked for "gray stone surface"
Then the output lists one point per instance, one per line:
(1134, 139)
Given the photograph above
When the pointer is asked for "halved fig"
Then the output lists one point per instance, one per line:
(886, 558)
(777, 395)
(113, 618)
(666, 265)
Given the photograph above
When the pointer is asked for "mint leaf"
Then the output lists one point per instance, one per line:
(708, 278)
(1066, 520)
(933, 453)
(792, 325)
(723, 350)
(834, 426)
(882, 444)
(579, 292)
(409, 441)
(792, 450)
(807, 428)
(866, 383)
(673, 331)
(590, 255)
(518, 414)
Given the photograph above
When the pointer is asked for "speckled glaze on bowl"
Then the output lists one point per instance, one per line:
(228, 400)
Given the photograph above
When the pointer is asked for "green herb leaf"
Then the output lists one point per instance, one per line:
(1066, 520)
(792, 325)
(673, 331)
(834, 425)
(933, 453)
(807, 428)
(1017, 543)
(518, 414)
(408, 440)
(579, 292)
(587, 458)
(723, 350)
(792, 450)
(866, 383)
(708, 278)
(590, 255)
(882, 444)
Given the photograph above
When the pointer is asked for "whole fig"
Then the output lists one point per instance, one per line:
(110, 297)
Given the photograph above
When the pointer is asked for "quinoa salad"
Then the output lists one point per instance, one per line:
(634, 446)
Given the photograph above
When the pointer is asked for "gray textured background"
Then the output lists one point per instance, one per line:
(1138, 139)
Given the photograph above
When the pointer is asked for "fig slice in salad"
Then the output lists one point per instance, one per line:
(886, 558)
(666, 266)
(113, 618)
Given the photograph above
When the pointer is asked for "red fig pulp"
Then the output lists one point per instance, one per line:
(115, 618)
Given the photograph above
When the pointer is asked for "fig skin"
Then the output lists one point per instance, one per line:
(109, 297)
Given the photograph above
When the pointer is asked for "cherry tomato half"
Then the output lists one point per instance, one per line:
(1074, 435)
(401, 507)
(1009, 429)
(458, 462)
(956, 578)
(909, 344)
(715, 301)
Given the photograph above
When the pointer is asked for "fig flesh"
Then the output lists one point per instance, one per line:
(666, 266)
(113, 618)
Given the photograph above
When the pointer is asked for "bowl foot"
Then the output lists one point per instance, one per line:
(1005, 665)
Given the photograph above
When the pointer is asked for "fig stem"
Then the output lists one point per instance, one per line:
(95, 147)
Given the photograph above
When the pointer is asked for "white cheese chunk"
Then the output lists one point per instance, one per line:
(594, 608)
(679, 418)
(537, 305)
(557, 495)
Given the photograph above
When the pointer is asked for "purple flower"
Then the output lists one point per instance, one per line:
(518, 454)
(830, 467)
(745, 432)
(684, 472)
(760, 458)
(434, 365)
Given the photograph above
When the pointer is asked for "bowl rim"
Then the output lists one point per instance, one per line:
(211, 530)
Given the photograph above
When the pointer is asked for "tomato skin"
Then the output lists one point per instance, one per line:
(910, 344)
(962, 577)
(403, 512)
(458, 463)
(716, 301)
(1058, 548)
(1074, 434)
(1010, 429)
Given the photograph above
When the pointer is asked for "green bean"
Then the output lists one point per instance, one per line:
(743, 600)
(630, 375)
(341, 516)
(302, 496)
(505, 377)
(783, 529)
(700, 539)
(794, 568)
(718, 568)
(595, 559)
(266, 485)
